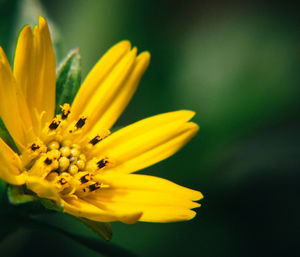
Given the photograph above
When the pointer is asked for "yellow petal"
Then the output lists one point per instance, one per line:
(148, 141)
(97, 75)
(9, 102)
(34, 69)
(116, 105)
(105, 92)
(80, 208)
(10, 165)
(160, 200)
(148, 183)
(42, 188)
(108, 89)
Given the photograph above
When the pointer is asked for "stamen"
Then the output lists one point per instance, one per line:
(54, 124)
(73, 169)
(95, 140)
(54, 154)
(32, 151)
(64, 163)
(64, 178)
(100, 137)
(34, 147)
(75, 152)
(54, 145)
(80, 123)
(65, 151)
(94, 187)
(83, 179)
(63, 181)
(65, 110)
(80, 164)
(48, 161)
(102, 163)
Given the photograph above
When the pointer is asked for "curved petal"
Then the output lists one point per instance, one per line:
(160, 200)
(109, 86)
(97, 75)
(121, 98)
(9, 102)
(34, 69)
(43, 188)
(148, 141)
(81, 208)
(10, 165)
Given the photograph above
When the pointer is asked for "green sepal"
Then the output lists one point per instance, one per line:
(31, 203)
(2, 191)
(68, 79)
(102, 229)
(4, 134)
(16, 195)
(50, 205)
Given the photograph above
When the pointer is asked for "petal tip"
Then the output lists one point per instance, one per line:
(144, 57)
(42, 21)
(188, 114)
(134, 51)
(25, 30)
(132, 218)
(193, 127)
(191, 215)
(198, 196)
(124, 44)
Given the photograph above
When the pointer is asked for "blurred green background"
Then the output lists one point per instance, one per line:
(236, 63)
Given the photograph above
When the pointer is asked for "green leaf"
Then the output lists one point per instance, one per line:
(4, 134)
(68, 79)
(102, 229)
(16, 195)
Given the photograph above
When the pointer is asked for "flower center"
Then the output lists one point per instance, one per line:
(69, 156)
(63, 160)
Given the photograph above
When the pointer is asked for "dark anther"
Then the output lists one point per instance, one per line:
(34, 147)
(83, 179)
(95, 140)
(65, 111)
(94, 187)
(62, 181)
(54, 124)
(102, 163)
(65, 114)
(56, 171)
(80, 123)
(48, 161)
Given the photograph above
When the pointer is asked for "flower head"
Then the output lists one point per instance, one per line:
(71, 158)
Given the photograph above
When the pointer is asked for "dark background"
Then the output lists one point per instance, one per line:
(236, 63)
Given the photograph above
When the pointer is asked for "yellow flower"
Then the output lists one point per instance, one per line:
(70, 158)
